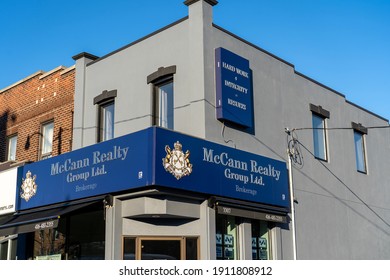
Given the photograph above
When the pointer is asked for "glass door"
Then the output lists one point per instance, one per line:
(160, 248)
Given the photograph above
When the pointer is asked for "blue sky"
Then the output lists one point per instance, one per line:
(344, 44)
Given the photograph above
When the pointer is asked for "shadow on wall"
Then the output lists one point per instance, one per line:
(58, 138)
(3, 135)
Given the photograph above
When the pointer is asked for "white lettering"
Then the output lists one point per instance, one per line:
(223, 159)
(236, 104)
(68, 165)
(242, 73)
(236, 87)
(265, 170)
(228, 66)
(236, 176)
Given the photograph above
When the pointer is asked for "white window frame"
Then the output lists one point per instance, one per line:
(11, 241)
(360, 151)
(11, 147)
(47, 140)
(320, 143)
(105, 132)
(164, 104)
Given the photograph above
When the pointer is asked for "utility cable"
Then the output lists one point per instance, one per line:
(345, 185)
(340, 128)
(223, 135)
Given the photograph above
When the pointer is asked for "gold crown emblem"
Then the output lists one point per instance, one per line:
(176, 161)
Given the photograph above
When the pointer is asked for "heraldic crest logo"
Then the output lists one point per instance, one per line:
(177, 162)
(28, 187)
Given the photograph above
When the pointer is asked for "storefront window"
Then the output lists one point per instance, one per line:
(3, 250)
(191, 248)
(79, 236)
(160, 250)
(8, 248)
(129, 248)
(49, 244)
(260, 240)
(226, 237)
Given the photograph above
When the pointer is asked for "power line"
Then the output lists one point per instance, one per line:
(339, 128)
(344, 184)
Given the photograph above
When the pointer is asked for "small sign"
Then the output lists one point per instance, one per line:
(262, 243)
(229, 253)
(55, 257)
(219, 252)
(218, 238)
(254, 254)
(254, 242)
(228, 240)
(263, 254)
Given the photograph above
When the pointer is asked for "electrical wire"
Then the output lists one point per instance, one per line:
(345, 185)
(223, 136)
(340, 128)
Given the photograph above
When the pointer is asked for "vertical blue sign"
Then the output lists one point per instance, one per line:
(233, 88)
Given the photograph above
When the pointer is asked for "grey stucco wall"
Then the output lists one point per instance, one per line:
(331, 222)
(332, 218)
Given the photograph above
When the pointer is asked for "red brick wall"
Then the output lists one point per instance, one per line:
(28, 104)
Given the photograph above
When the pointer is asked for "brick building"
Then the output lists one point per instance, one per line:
(36, 116)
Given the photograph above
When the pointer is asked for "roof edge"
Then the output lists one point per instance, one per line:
(366, 110)
(86, 55)
(190, 2)
(252, 45)
(40, 72)
(44, 75)
(139, 40)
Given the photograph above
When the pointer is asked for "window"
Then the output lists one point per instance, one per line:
(260, 240)
(106, 114)
(163, 113)
(80, 235)
(360, 151)
(106, 121)
(162, 80)
(47, 140)
(11, 147)
(8, 248)
(319, 137)
(227, 237)
(319, 116)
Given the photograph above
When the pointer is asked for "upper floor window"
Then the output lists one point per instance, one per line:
(106, 121)
(360, 147)
(11, 147)
(319, 116)
(163, 114)
(163, 96)
(106, 114)
(47, 131)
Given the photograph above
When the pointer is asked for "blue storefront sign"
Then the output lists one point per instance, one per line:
(233, 88)
(108, 167)
(220, 170)
(154, 156)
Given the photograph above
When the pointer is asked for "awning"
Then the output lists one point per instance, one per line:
(249, 210)
(253, 214)
(39, 220)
